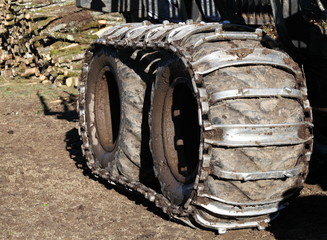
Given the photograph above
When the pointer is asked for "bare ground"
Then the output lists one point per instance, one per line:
(47, 192)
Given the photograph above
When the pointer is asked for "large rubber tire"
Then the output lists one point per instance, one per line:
(266, 110)
(219, 191)
(175, 132)
(254, 111)
(111, 116)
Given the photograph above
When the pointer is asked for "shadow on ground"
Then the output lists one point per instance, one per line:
(68, 107)
(73, 146)
(305, 218)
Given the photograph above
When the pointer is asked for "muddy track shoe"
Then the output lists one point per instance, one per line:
(230, 123)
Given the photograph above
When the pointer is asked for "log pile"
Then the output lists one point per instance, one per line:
(46, 39)
(15, 29)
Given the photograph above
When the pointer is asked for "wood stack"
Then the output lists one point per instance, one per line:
(15, 31)
(46, 39)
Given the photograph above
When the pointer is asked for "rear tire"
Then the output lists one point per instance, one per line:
(175, 131)
(220, 194)
(111, 103)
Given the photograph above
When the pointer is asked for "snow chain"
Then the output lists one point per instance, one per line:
(171, 37)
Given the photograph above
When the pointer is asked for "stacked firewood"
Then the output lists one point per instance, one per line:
(46, 39)
(16, 52)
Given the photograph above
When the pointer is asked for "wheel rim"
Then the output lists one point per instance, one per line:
(107, 109)
(181, 132)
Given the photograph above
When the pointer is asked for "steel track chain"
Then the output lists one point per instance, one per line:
(170, 37)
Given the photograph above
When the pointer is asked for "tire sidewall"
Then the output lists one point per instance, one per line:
(175, 191)
(103, 57)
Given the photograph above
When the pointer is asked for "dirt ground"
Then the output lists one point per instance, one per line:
(47, 192)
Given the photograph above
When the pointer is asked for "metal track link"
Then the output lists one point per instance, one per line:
(180, 40)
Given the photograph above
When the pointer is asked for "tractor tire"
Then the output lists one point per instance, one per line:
(229, 121)
(111, 102)
(175, 131)
(177, 140)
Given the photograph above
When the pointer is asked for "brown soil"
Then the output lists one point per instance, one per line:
(47, 192)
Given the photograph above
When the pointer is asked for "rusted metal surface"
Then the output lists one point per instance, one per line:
(258, 134)
(222, 59)
(103, 115)
(242, 176)
(257, 92)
